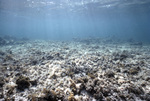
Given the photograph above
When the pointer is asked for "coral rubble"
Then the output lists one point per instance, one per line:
(80, 70)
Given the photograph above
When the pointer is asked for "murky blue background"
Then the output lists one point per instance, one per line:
(66, 19)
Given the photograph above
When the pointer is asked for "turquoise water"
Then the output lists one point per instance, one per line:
(66, 19)
(91, 50)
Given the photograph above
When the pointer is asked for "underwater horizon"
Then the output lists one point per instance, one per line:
(67, 19)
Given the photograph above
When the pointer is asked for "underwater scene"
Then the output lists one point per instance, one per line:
(74, 50)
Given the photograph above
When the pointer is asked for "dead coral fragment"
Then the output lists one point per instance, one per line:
(22, 83)
(122, 55)
(53, 76)
(60, 93)
(1, 82)
(90, 86)
(2, 53)
(98, 96)
(92, 76)
(134, 70)
(71, 98)
(33, 97)
(33, 82)
(109, 74)
(10, 88)
(73, 86)
(49, 95)
(136, 90)
(8, 57)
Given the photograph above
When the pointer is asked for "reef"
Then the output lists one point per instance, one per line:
(80, 70)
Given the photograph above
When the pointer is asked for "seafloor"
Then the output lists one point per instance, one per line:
(79, 70)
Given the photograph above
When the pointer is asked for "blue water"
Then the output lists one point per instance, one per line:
(66, 19)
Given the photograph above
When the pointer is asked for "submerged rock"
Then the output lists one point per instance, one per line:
(22, 83)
